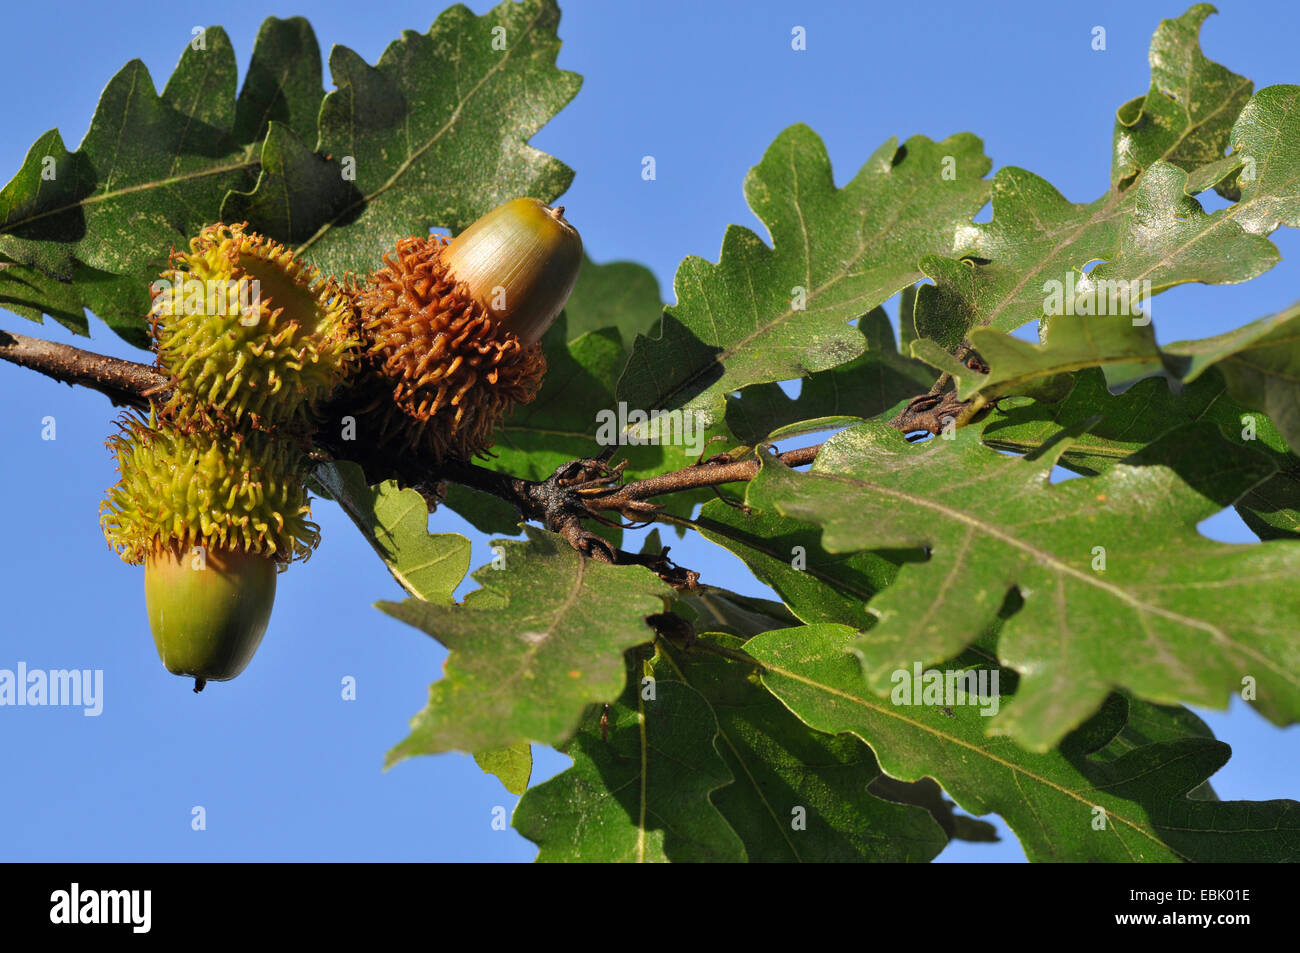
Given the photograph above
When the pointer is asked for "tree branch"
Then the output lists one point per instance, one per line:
(713, 472)
(125, 383)
(577, 491)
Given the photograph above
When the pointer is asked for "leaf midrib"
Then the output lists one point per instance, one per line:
(1016, 769)
(1103, 214)
(1050, 560)
(845, 273)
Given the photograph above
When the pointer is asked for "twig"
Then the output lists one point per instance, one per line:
(577, 491)
(929, 413)
(125, 383)
(691, 478)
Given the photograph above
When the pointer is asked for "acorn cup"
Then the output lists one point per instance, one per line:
(250, 334)
(213, 517)
(452, 328)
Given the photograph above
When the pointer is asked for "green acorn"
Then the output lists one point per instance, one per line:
(249, 333)
(452, 328)
(212, 516)
(208, 615)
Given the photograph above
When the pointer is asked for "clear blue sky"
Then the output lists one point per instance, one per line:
(284, 768)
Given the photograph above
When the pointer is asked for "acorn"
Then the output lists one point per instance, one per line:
(249, 333)
(453, 328)
(208, 613)
(212, 515)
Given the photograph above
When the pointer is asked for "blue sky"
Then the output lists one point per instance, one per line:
(284, 768)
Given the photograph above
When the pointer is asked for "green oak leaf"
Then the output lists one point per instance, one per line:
(1265, 140)
(1187, 114)
(152, 170)
(435, 134)
(512, 765)
(866, 386)
(1052, 800)
(542, 639)
(283, 81)
(639, 787)
(765, 313)
(1151, 232)
(798, 795)
(396, 524)
(1018, 266)
(1123, 424)
(1260, 361)
(1111, 566)
(787, 555)
(1168, 239)
(619, 294)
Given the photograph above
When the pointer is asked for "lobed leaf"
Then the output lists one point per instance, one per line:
(435, 134)
(766, 314)
(798, 795)
(1110, 566)
(396, 525)
(639, 787)
(1065, 804)
(1121, 425)
(1147, 229)
(530, 650)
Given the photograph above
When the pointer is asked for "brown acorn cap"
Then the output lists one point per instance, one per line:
(449, 371)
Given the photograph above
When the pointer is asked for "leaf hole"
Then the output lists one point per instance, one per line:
(1212, 201)
(1060, 474)
(1226, 526)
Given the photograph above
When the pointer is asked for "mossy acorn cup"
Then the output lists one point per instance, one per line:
(453, 328)
(210, 497)
(213, 517)
(251, 335)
